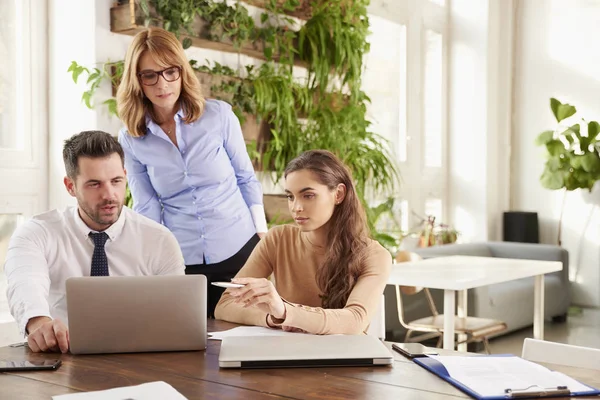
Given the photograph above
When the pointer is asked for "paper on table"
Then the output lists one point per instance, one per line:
(147, 391)
(250, 331)
(490, 376)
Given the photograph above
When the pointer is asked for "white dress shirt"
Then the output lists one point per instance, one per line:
(54, 246)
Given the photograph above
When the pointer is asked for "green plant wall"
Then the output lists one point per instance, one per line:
(327, 110)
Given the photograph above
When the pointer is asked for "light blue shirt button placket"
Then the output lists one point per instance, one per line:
(217, 177)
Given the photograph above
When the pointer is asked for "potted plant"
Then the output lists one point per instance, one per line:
(572, 157)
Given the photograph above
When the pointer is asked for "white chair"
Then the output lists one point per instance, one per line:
(377, 326)
(561, 354)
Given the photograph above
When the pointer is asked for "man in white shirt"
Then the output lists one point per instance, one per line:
(98, 237)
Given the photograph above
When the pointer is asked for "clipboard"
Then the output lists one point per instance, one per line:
(532, 392)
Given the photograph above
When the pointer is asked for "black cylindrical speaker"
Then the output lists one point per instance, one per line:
(521, 226)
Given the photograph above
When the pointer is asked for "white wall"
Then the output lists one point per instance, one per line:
(70, 41)
(478, 109)
(557, 56)
(467, 118)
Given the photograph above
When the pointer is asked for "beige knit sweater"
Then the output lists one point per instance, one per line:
(286, 253)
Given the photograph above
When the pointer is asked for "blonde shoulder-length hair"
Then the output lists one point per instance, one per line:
(166, 50)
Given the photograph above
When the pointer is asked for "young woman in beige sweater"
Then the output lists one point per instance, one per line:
(329, 274)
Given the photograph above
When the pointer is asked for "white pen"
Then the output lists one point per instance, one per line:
(227, 284)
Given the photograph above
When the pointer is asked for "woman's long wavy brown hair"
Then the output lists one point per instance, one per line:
(165, 49)
(348, 236)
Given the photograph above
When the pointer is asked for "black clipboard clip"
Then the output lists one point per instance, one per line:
(541, 392)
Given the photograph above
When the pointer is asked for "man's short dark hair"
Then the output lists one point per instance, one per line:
(93, 144)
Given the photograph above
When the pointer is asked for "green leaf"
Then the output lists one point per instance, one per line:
(544, 138)
(554, 104)
(76, 72)
(552, 180)
(93, 76)
(187, 43)
(145, 8)
(593, 130)
(268, 53)
(554, 163)
(577, 162)
(386, 240)
(590, 162)
(264, 17)
(112, 106)
(571, 182)
(576, 129)
(555, 147)
(561, 111)
(86, 97)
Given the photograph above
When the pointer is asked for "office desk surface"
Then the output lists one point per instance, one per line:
(197, 376)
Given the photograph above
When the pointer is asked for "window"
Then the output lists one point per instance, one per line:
(8, 224)
(408, 48)
(433, 207)
(23, 120)
(387, 58)
(432, 102)
(8, 83)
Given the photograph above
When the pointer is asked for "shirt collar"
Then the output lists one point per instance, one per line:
(112, 231)
(153, 126)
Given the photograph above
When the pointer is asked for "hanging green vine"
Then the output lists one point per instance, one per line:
(325, 110)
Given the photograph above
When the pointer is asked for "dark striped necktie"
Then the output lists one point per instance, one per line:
(99, 260)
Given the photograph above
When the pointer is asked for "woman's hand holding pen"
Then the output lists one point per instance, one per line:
(259, 292)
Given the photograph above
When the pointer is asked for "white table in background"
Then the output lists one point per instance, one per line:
(460, 273)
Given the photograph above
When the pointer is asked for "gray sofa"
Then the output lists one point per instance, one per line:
(511, 302)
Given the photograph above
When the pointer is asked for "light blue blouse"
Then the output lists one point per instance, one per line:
(203, 190)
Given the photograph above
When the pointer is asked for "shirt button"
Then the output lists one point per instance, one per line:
(185, 173)
(201, 236)
(193, 202)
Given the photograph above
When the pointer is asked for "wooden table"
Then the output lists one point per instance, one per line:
(457, 274)
(197, 376)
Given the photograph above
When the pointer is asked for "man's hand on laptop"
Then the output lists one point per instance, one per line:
(259, 292)
(47, 334)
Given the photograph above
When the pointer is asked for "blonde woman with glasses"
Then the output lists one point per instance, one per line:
(186, 160)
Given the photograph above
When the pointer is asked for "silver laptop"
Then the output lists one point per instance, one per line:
(303, 351)
(129, 314)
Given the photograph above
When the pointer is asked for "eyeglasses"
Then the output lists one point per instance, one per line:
(150, 78)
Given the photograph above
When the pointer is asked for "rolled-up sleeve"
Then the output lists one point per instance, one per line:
(354, 318)
(27, 274)
(259, 265)
(145, 200)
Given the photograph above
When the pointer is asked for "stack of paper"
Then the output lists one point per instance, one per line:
(147, 391)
